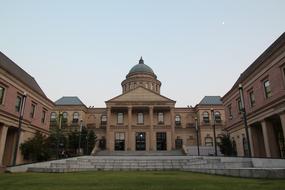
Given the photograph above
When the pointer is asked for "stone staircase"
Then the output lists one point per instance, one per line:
(239, 167)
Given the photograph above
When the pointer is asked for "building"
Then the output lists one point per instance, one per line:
(141, 119)
(263, 85)
(19, 92)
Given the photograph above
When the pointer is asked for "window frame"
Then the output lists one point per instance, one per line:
(2, 97)
(51, 116)
(204, 118)
(44, 112)
(267, 93)
(18, 107)
(142, 118)
(252, 101)
(75, 119)
(160, 118)
(33, 110)
(178, 122)
(120, 116)
(219, 118)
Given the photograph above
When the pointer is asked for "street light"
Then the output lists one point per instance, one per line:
(23, 102)
(244, 118)
(58, 134)
(214, 130)
(79, 143)
(197, 133)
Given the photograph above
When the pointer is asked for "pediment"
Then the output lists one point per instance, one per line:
(140, 94)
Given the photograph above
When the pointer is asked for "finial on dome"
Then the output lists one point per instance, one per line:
(141, 61)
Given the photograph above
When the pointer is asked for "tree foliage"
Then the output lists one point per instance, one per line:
(226, 146)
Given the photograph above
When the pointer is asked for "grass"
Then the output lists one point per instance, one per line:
(131, 180)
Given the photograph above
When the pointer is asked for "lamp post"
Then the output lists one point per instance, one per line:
(58, 134)
(197, 133)
(23, 102)
(244, 118)
(79, 143)
(214, 130)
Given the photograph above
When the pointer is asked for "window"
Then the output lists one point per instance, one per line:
(206, 117)
(267, 89)
(18, 103)
(140, 118)
(53, 116)
(33, 108)
(208, 141)
(2, 90)
(120, 118)
(251, 99)
(218, 117)
(75, 117)
(103, 120)
(177, 120)
(160, 118)
(64, 115)
(239, 105)
(120, 141)
(43, 116)
(230, 111)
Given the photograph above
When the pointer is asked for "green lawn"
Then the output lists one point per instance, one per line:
(131, 180)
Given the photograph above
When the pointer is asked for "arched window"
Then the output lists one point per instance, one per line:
(52, 116)
(218, 117)
(208, 141)
(178, 120)
(75, 117)
(206, 117)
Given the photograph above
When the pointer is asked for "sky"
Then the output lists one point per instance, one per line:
(86, 48)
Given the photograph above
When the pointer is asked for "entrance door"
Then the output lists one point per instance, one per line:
(120, 141)
(140, 141)
(161, 141)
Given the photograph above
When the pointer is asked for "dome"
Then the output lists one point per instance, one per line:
(141, 68)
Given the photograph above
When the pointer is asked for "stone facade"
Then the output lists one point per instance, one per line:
(141, 119)
(14, 85)
(263, 85)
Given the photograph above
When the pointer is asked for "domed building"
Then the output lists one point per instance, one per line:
(141, 119)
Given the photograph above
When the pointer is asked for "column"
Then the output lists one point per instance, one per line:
(151, 135)
(172, 128)
(108, 144)
(129, 147)
(3, 135)
(251, 141)
(266, 138)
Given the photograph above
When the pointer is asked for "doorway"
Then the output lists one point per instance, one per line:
(161, 141)
(140, 141)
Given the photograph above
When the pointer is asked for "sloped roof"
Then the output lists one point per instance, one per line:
(12, 68)
(70, 101)
(140, 94)
(211, 100)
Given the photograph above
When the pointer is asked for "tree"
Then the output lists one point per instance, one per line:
(226, 146)
(36, 148)
(91, 141)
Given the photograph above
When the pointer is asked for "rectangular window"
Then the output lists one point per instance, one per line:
(120, 118)
(239, 105)
(18, 103)
(140, 118)
(267, 89)
(230, 111)
(2, 90)
(160, 118)
(33, 108)
(251, 99)
(43, 116)
(103, 120)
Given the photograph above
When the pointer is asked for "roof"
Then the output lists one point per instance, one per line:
(211, 100)
(70, 101)
(12, 68)
(141, 68)
(258, 62)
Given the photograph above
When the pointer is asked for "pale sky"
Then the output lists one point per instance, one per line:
(86, 48)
